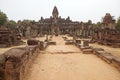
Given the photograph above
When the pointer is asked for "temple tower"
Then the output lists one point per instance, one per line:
(55, 26)
(55, 12)
(108, 21)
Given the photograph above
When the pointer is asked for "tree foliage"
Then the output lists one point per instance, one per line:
(26, 22)
(11, 24)
(3, 18)
(98, 24)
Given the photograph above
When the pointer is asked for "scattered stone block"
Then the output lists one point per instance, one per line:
(116, 63)
(65, 38)
(100, 52)
(95, 50)
(87, 51)
(45, 44)
(107, 57)
(78, 41)
(32, 42)
(69, 42)
(41, 46)
(86, 47)
(85, 43)
(51, 43)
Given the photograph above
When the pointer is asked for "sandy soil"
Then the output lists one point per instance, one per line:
(72, 66)
(114, 51)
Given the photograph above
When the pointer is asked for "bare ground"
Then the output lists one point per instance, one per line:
(70, 66)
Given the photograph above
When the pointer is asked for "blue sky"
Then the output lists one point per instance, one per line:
(78, 10)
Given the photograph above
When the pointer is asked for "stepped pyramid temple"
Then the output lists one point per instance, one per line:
(55, 24)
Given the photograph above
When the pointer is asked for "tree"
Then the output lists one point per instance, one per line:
(11, 24)
(118, 24)
(3, 18)
(26, 22)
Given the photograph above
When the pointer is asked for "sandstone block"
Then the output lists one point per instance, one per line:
(32, 42)
(107, 57)
(87, 51)
(51, 43)
(116, 62)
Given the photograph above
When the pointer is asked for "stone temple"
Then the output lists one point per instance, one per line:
(55, 24)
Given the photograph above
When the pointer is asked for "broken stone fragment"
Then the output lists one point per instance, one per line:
(32, 42)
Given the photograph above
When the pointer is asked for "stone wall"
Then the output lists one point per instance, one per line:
(15, 63)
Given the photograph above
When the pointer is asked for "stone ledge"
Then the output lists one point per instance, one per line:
(69, 42)
(51, 43)
(96, 50)
(86, 47)
(116, 63)
(16, 61)
(87, 51)
(107, 57)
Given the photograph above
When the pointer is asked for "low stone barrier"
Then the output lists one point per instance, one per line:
(87, 51)
(107, 57)
(15, 63)
(51, 43)
(2, 67)
(16, 60)
(97, 50)
(116, 63)
(69, 42)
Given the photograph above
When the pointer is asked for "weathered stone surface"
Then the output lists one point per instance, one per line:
(107, 57)
(32, 49)
(78, 41)
(18, 61)
(85, 43)
(32, 42)
(95, 50)
(9, 37)
(16, 57)
(69, 42)
(45, 44)
(86, 47)
(51, 43)
(116, 63)
(2, 67)
(100, 52)
(87, 51)
(107, 34)
(65, 38)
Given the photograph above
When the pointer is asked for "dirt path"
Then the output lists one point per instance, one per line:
(72, 66)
